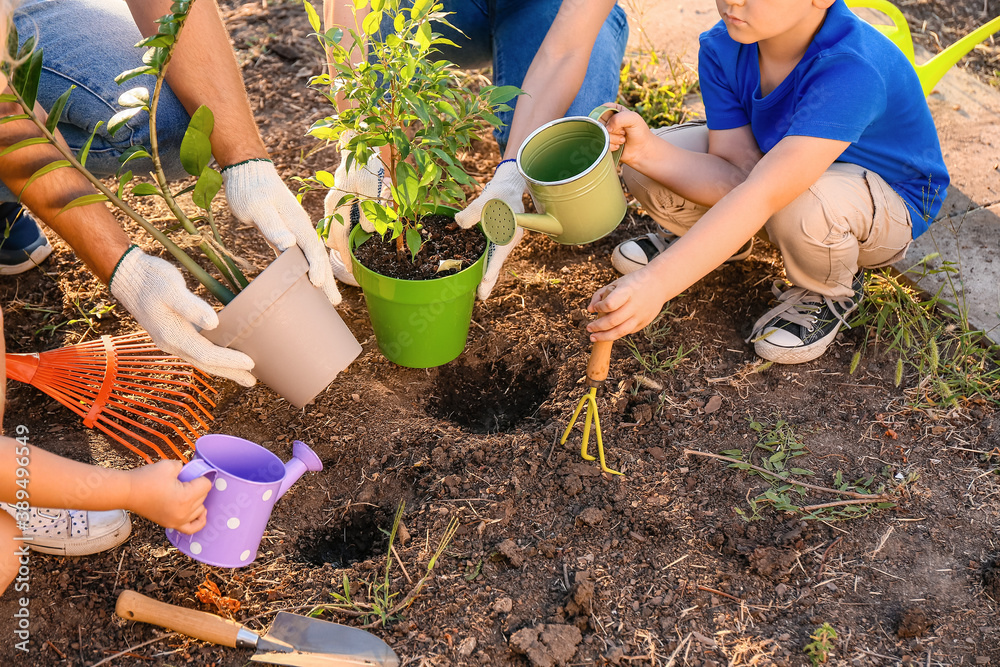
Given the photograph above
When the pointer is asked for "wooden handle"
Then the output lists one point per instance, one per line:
(134, 606)
(600, 361)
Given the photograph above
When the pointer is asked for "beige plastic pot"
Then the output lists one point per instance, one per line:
(289, 328)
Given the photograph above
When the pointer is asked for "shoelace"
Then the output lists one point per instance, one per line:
(800, 306)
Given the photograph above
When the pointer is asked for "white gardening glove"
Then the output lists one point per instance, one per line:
(366, 181)
(257, 194)
(508, 185)
(153, 290)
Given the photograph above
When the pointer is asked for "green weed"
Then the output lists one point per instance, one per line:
(777, 445)
(652, 84)
(380, 605)
(821, 646)
(945, 362)
(656, 359)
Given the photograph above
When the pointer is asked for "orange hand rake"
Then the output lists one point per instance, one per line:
(120, 385)
(597, 372)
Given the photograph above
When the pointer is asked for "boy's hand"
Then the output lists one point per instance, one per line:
(628, 127)
(626, 306)
(158, 495)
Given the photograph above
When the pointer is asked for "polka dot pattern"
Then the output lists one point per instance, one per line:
(221, 484)
(245, 556)
(233, 523)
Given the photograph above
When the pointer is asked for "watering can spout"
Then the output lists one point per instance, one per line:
(500, 222)
(303, 459)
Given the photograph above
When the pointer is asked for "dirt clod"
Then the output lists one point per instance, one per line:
(547, 645)
(913, 623)
(771, 562)
(509, 550)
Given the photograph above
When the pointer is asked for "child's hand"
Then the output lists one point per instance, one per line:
(626, 306)
(159, 496)
(628, 128)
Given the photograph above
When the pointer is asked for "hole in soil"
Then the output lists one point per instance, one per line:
(357, 537)
(489, 398)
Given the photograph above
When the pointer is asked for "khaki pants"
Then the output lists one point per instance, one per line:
(848, 219)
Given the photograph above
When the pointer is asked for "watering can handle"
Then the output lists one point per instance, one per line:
(597, 114)
(194, 469)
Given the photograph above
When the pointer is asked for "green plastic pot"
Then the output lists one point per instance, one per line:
(419, 323)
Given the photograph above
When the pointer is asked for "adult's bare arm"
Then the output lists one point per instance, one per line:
(558, 68)
(92, 230)
(204, 70)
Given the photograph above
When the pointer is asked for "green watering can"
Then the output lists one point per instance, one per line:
(573, 179)
(931, 71)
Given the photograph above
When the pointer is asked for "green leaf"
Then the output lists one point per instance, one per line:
(413, 242)
(157, 40)
(119, 120)
(371, 23)
(333, 36)
(134, 97)
(26, 78)
(325, 177)
(208, 185)
(85, 151)
(132, 73)
(314, 21)
(502, 94)
(55, 115)
(145, 189)
(8, 98)
(423, 36)
(52, 166)
(11, 119)
(82, 201)
(196, 151)
(800, 471)
(132, 153)
(122, 182)
(203, 119)
(33, 141)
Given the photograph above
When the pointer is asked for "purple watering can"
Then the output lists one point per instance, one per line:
(247, 480)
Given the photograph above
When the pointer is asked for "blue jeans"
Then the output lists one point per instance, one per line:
(87, 43)
(507, 34)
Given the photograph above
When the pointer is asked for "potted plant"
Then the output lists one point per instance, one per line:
(286, 325)
(401, 103)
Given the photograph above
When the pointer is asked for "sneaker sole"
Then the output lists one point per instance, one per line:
(79, 547)
(37, 256)
(793, 355)
(624, 265)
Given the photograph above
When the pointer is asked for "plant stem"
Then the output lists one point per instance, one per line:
(161, 178)
(214, 286)
(867, 497)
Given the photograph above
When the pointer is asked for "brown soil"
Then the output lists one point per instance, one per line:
(553, 563)
(441, 241)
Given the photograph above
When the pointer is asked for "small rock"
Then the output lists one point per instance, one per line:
(467, 646)
(572, 485)
(780, 590)
(503, 606)
(982, 660)
(591, 516)
(657, 453)
(784, 637)
(713, 404)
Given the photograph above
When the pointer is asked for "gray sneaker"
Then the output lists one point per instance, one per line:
(803, 324)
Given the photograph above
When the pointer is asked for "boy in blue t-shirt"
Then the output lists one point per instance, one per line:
(818, 139)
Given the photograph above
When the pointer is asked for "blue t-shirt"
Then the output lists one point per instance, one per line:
(852, 84)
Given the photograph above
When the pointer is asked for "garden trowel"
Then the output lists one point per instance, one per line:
(294, 640)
